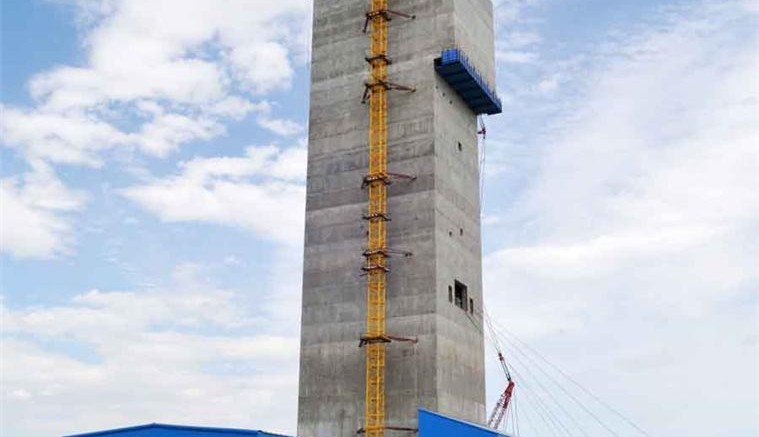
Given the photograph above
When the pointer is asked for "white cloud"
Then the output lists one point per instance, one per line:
(108, 359)
(156, 75)
(70, 138)
(521, 39)
(33, 215)
(182, 58)
(548, 85)
(515, 57)
(232, 260)
(237, 108)
(508, 12)
(282, 127)
(184, 55)
(165, 132)
(157, 49)
(262, 191)
(518, 47)
(635, 239)
(189, 81)
(262, 67)
(77, 138)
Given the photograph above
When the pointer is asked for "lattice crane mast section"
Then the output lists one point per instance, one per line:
(376, 252)
(502, 406)
(376, 180)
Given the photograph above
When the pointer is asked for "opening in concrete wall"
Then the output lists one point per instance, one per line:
(460, 292)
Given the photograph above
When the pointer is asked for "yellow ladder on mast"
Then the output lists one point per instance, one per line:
(377, 252)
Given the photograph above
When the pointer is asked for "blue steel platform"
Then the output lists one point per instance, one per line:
(456, 69)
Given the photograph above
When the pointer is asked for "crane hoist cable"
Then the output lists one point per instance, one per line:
(482, 131)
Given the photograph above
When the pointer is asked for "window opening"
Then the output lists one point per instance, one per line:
(460, 295)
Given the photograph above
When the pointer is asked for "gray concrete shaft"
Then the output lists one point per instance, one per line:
(431, 135)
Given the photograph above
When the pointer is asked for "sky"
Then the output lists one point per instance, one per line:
(153, 179)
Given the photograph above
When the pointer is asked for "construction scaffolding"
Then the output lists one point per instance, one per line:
(376, 181)
(376, 251)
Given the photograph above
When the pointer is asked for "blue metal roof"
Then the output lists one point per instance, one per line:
(456, 69)
(433, 424)
(163, 430)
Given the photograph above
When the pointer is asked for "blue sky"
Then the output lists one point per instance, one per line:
(153, 165)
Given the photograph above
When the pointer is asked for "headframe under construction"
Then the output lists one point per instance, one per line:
(392, 286)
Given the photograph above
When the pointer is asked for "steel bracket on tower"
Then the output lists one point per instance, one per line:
(386, 178)
(383, 177)
(368, 339)
(405, 253)
(378, 215)
(387, 14)
(371, 59)
(369, 267)
(392, 428)
(369, 86)
(388, 252)
(406, 177)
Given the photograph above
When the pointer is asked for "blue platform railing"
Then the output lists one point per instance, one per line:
(457, 70)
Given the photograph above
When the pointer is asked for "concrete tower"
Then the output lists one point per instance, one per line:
(433, 295)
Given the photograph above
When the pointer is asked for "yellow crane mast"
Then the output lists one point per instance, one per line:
(377, 252)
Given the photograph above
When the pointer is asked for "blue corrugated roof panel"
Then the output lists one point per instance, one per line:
(433, 424)
(163, 430)
(456, 69)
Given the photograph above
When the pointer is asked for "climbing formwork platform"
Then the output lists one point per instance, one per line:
(459, 72)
